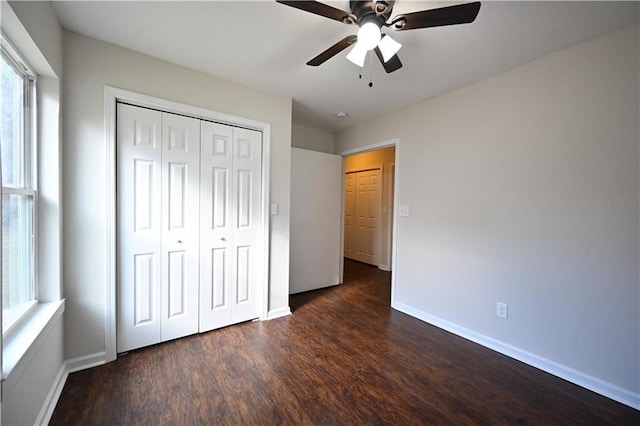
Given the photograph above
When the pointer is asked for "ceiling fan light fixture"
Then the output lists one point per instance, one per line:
(388, 47)
(358, 55)
(369, 35)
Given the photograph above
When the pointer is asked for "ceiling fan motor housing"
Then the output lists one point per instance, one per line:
(377, 11)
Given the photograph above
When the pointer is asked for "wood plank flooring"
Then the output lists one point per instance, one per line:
(343, 357)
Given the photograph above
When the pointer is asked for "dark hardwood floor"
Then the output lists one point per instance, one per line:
(343, 357)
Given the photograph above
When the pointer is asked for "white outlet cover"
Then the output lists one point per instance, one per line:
(403, 210)
(274, 208)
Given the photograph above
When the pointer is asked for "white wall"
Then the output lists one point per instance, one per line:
(34, 29)
(24, 397)
(89, 66)
(312, 139)
(524, 189)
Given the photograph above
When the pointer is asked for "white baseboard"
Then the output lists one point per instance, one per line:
(594, 384)
(385, 268)
(84, 362)
(52, 397)
(69, 366)
(277, 313)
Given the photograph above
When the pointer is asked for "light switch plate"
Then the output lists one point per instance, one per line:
(403, 210)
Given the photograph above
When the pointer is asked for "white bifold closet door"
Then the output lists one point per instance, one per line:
(189, 226)
(158, 197)
(230, 225)
(363, 210)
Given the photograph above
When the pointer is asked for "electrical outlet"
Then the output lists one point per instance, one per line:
(274, 208)
(502, 310)
(403, 210)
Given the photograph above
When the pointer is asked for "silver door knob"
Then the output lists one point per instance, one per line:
(223, 239)
(179, 241)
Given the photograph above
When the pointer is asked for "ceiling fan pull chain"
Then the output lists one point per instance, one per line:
(371, 68)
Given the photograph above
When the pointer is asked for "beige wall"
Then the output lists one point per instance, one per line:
(312, 139)
(90, 65)
(524, 189)
(384, 158)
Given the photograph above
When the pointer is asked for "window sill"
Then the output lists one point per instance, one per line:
(26, 337)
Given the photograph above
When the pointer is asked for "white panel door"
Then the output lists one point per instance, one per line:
(364, 229)
(246, 193)
(349, 214)
(230, 233)
(216, 231)
(316, 182)
(180, 223)
(373, 201)
(139, 227)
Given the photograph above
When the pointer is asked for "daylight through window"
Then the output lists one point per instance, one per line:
(18, 190)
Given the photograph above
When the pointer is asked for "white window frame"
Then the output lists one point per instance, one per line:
(29, 174)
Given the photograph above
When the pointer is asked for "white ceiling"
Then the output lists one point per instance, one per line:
(265, 45)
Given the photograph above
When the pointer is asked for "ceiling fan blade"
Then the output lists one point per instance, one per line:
(391, 65)
(333, 50)
(321, 9)
(450, 15)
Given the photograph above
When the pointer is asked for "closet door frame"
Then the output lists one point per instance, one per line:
(114, 95)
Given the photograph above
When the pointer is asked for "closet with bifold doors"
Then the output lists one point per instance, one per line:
(189, 208)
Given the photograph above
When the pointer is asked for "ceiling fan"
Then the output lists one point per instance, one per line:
(371, 17)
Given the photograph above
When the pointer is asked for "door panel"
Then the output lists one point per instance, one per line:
(139, 227)
(349, 214)
(143, 284)
(180, 223)
(177, 283)
(247, 192)
(144, 173)
(218, 279)
(216, 162)
(243, 274)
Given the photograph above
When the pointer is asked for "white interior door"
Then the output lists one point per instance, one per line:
(230, 225)
(158, 196)
(139, 163)
(315, 220)
(363, 200)
(246, 196)
(349, 214)
(216, 231)
(180, 223)
(373, 201)
(189, 226)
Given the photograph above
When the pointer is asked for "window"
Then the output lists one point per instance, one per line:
(18, 189)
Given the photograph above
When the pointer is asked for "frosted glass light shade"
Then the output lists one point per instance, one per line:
(369, 36)
(388, 47)
(358, 55)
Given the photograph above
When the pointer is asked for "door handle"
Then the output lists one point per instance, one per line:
(179, 241)
(223, 239)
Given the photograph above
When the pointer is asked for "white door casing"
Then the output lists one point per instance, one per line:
(230, 225)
